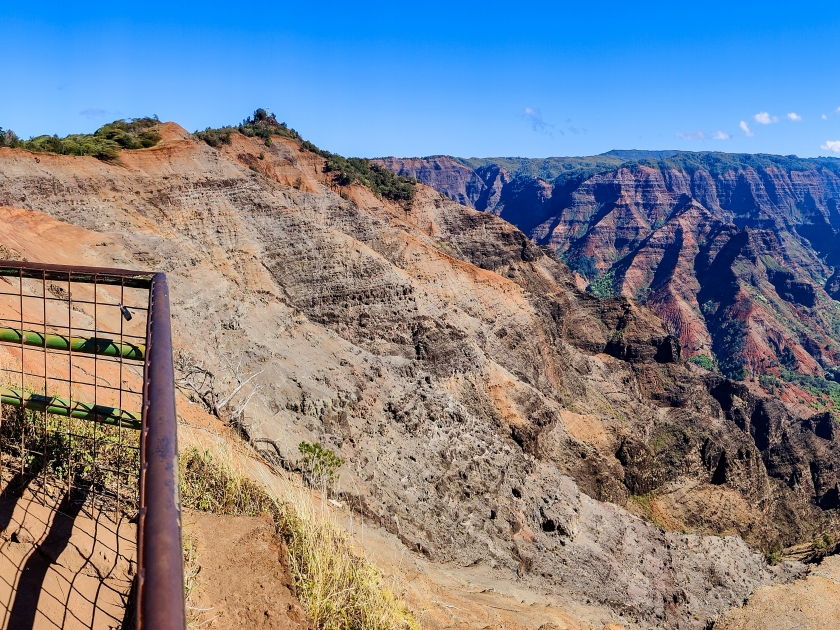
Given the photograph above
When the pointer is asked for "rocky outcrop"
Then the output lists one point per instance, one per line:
(488, 411)
(737, 253)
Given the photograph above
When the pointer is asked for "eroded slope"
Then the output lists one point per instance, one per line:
(485, 406)
(737, 253)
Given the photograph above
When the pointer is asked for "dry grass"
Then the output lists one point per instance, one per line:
(210, 484)
(338, 588)
(191, 581)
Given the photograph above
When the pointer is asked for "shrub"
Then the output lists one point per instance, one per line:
(604, 285)
(263, 124)
(734, 368)
(8, 138)
(833, 374)
(136, 133)
(583, 264)
(704, 361)
(730, 346)
(769, 383)
(103, 144)
(774, 556)
(319, 464)
(215, 137)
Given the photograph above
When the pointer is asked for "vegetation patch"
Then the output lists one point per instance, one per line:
(339, 589)
(825, 390)
(774, 556)
(643, 506)
(580, 262)
(604, 286)
(319, 464)
(104, 144)
(769, 383)
(346, 171)
(731, 345)
(262, 125)
(704, 361)
(379, 179)
(821, 542)
(97, 458)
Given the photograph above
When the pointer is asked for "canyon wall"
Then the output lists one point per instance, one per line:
(737, 253)
(490, 412)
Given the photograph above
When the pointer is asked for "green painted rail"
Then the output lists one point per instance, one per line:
(60, 407)
(89, 345)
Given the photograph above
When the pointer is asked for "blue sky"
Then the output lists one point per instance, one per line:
(463, 78)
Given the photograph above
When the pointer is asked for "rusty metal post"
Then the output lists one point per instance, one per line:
(160, 592)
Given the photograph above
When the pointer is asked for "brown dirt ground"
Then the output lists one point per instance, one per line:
(62, 564)
(243, 578)
(809, 604)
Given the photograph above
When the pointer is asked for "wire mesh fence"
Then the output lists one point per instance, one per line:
(72, 360)
(88, 423)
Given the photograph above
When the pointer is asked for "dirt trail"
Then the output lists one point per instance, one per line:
(243, 578)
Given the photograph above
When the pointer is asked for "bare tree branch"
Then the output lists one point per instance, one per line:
(202, 384)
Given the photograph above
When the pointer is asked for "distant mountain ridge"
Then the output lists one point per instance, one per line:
(737, 252)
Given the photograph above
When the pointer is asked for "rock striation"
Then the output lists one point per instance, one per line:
(737, 253)
(490, 412)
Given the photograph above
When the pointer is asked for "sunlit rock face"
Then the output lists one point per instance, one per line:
(490, 413)
(737, 253)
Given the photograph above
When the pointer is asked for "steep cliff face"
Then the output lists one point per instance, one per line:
(490, 413)
(737, 253)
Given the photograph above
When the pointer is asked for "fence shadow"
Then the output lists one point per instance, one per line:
(65, 563)
(9, 496)
(22, 614)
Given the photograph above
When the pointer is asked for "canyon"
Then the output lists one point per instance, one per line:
(737, 253)
(495, 417)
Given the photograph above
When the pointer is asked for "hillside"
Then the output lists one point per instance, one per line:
(496, 421)
(737, 253)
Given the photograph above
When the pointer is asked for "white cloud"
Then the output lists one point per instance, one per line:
(824, 117)
(721, 135)
(537, 123)
(697, 135)
(92, 112)
(831, 145)
(746, 128)
(794, 116)
(764, 118)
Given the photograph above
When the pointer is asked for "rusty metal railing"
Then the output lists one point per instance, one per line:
(88, 397)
